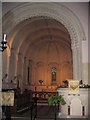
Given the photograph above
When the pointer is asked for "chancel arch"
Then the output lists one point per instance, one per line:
(22, 43)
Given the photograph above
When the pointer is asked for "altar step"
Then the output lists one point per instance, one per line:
(27, 118)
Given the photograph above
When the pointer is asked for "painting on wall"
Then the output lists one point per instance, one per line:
(74, 87)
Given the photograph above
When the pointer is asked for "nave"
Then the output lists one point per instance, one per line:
(46, 46)
(44, 112)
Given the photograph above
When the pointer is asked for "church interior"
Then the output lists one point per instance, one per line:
(46, 46)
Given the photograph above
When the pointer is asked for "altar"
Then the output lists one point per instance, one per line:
(76, 105)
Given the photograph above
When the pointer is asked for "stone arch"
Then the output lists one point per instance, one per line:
(53, 10)
(61, 14)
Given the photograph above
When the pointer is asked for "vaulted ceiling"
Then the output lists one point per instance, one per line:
(42, 37)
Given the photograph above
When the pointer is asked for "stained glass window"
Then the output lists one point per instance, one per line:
(53, 72)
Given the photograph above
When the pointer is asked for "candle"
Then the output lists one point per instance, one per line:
(5, 37)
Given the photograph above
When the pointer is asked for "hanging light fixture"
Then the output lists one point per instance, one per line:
(3, 45)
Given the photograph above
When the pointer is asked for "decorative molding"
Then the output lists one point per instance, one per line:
(52, 10)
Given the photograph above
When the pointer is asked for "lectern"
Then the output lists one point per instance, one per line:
(7, 102)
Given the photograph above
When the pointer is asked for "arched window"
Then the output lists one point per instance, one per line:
(53, 73)
(29, 72)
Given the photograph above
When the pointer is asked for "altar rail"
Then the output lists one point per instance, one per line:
(42, 95)
(22, 101)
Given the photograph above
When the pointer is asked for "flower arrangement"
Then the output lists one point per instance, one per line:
(56, 99)
(65, 82)
(40, 81)
(84, 86)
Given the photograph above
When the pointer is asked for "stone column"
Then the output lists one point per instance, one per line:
(16, 65)
(75, 63)
(79, 59)
(12, 65)
(8, 63)
(33, 74)
(24, 73)
(20, 71)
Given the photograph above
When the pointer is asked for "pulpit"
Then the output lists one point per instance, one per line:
(7, 102)
(76, 105)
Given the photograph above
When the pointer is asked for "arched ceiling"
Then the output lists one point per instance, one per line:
(41, 36)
